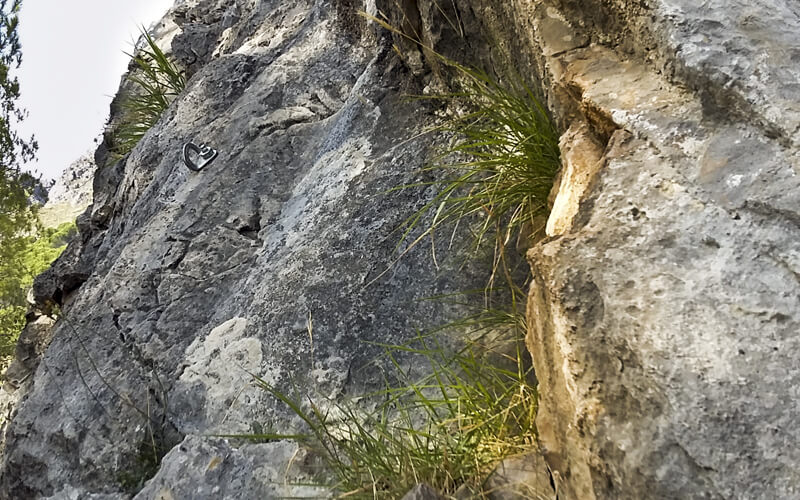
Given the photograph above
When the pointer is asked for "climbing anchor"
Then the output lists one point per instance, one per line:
(206, 155)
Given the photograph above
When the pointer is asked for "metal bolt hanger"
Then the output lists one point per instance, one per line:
(205, 154)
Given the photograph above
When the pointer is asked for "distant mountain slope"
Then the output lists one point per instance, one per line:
(71, 193)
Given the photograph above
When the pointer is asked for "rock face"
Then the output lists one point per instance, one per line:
(203, 467)
(184, 284)
(71, 193)
(665, 299)
(664, 315)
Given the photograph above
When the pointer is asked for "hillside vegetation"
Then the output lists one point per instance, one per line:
(27, 257)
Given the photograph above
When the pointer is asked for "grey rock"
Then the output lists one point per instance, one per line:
(71, 193)
(467, 491)
(184, 285)
(210, 468)
(738, 56)
(662, 311)
(521, 478)
(74, 186)
(33, 340)
(64, 276)
(71, 493)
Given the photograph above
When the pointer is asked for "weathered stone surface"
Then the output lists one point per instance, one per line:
(582, 158)
(738, 56)
(183, 285)
(662, 320)
(203, 468)
(664, 304)
(71, 193)
(521, 477)
(67, 274)
(33, 340)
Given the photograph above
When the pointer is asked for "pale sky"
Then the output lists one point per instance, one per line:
(72, 60)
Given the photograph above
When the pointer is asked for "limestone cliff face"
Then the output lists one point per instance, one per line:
(664, 307)
(664, 310)
(184, 284)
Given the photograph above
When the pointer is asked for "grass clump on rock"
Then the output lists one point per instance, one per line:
(495, 176)
(449, 430)
(509, 159)
(493, 180)
(156, 81)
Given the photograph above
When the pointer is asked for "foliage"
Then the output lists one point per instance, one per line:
(157, 81)
(449, 429)
(511, 157)
(495, 176)
(23, 261)
(13, 149)
(17, 215)
(34, 256)
(12, 321)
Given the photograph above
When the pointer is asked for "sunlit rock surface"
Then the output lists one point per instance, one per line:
(664, 319)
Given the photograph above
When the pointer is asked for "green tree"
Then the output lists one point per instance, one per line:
(17, 215)
(21, 260)
(31, 255)
(14, 150)
(18, 221)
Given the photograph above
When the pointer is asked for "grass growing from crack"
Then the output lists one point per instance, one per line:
(144, 466)
(494, 178)
(477, 407)
(145, 462)
(510, 158)
(448, 429)
(156, 82)
(509, 145)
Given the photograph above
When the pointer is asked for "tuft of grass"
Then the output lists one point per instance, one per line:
(495, 176)
(449, 429)
(156, 81)
(509, 158)
(144, 466)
